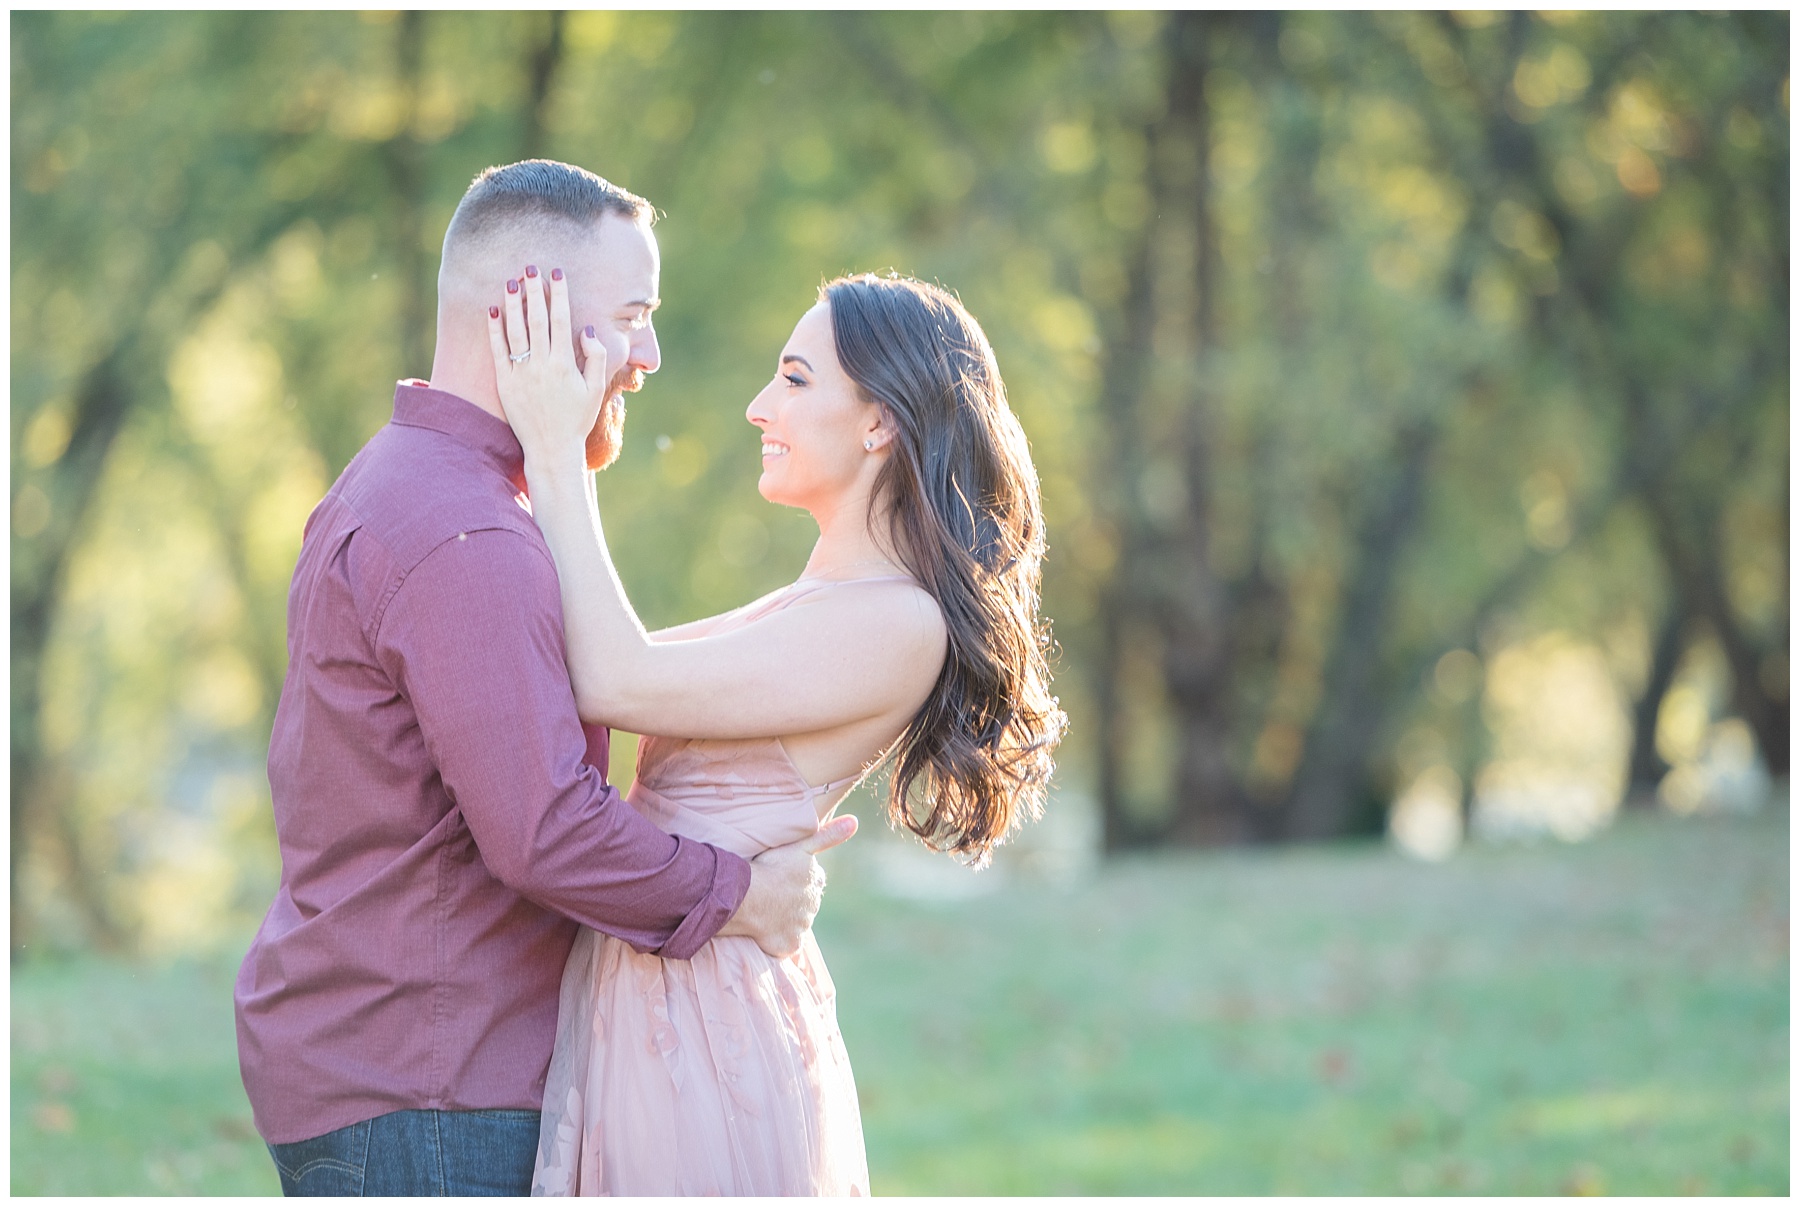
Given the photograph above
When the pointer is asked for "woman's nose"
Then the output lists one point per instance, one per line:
(758, 411)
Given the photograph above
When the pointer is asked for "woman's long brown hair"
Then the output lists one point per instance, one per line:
(960, 498)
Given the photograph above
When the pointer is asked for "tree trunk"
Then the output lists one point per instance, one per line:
(540, 74)
(403, 158)
(103, 402)
(1333, 771)
(1211, 805)
(1646, 767)
(1127, 353)
(1700, 582)
(1116, 831)
(1134, 591)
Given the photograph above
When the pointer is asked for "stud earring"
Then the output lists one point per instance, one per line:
(869, 444)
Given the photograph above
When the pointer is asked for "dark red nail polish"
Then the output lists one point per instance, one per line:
(512, 287)
(556, 274)
(493, 312)
(588, 331)
(531, 270)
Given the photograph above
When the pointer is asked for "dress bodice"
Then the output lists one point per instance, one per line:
(744, 795)
(724, 1073)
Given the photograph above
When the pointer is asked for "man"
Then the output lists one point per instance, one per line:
(443, 818)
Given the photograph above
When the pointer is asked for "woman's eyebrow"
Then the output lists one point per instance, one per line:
(801, 360)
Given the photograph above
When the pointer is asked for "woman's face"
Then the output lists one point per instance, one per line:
(813, 423)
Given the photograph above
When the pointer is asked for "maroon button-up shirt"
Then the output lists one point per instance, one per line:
(442, 816)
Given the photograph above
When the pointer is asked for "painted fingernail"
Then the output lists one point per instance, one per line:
(493, 312)
(556, 274)
(512, 287)
(531, 270)
(588, 331)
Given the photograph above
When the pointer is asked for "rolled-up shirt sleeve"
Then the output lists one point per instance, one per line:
(473, 638)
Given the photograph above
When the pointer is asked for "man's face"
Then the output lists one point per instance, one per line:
(613, 286)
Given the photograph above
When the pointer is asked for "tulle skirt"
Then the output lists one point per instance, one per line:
(723, 1075)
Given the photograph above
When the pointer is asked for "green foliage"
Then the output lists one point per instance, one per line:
(1608, 1018)
(1549, 251)
(1452, 321)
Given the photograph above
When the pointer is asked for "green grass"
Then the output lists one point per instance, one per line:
(125, 1081)
(1610, 1017)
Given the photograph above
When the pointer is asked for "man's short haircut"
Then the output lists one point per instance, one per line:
(534, 190)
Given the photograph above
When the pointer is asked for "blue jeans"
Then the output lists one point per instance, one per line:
(416, 1153)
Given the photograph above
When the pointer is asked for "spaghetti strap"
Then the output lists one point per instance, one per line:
(830, 786)
(844, 582)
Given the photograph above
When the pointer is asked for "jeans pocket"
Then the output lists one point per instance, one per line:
(330, 1165)
(489, 1152)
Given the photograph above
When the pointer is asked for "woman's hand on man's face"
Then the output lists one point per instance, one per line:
(550, 403)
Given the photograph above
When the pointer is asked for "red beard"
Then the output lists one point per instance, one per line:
(608, 434)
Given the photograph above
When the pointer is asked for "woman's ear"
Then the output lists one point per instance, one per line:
(881, 433)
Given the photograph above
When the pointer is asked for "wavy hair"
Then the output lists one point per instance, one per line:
(960, 498)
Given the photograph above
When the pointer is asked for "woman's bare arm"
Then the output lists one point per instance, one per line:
(848, 654)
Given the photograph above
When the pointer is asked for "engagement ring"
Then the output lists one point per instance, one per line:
(521, 356)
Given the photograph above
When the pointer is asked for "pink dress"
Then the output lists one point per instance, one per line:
(724, 1074)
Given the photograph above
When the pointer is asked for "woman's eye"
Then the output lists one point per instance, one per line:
(794, 379)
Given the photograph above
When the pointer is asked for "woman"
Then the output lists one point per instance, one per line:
(912, 636)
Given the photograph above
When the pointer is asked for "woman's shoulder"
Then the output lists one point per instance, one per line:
(898, 605)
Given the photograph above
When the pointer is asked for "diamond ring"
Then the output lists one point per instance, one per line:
(521, 356)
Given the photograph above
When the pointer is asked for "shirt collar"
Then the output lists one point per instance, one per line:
(417, 404)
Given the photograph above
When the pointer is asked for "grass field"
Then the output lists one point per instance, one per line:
(1604, 1018)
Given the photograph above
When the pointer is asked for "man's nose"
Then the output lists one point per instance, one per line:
(646, 353)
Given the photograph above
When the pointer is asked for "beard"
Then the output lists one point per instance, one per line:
(608, 434)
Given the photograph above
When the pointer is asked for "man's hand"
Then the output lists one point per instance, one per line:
(786, 887)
